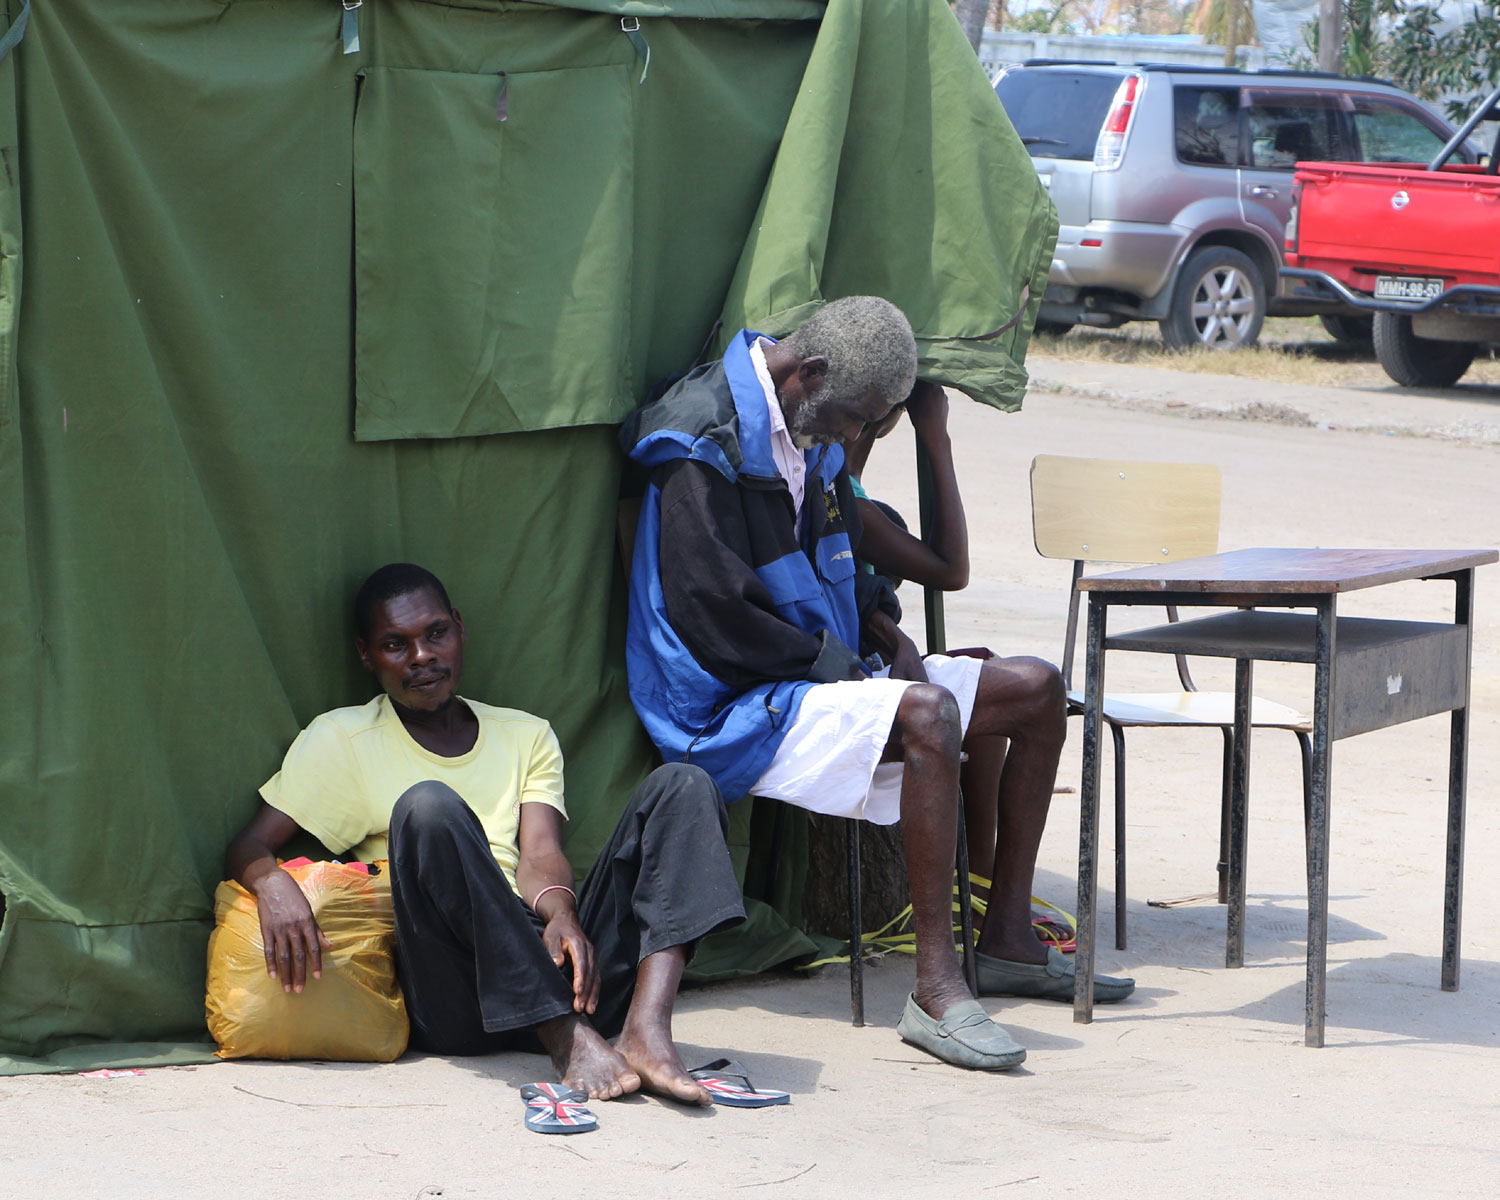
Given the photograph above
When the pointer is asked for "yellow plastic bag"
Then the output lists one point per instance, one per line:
(354, 1013)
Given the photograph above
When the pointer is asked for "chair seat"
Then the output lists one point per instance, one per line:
(1192, 708)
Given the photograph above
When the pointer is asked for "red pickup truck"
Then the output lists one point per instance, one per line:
(1416, 246)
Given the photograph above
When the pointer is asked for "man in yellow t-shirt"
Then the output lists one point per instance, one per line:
(466, 802)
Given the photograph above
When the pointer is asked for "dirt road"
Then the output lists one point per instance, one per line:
(1198, 1085)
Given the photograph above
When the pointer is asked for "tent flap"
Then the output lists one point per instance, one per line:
(899, 175)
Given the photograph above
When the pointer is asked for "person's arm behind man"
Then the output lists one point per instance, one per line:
(892, 550)
(718, 605)
(291, 937)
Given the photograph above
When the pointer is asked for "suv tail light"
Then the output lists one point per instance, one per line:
(1110, 147)
(1291, 221)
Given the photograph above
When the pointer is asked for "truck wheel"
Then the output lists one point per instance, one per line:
(1219, 301)
(1414, 361)
(1350, 331)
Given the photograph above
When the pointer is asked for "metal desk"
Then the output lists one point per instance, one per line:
(1368, 674)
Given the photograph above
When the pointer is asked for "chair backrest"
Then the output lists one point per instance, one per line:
(1115, 510)
(1121, 511)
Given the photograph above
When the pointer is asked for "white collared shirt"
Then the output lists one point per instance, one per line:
(784, 452)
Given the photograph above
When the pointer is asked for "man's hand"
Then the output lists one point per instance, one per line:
(565, 940)
(291, 936)
(907, 663)
(928, 408)
(897, 649)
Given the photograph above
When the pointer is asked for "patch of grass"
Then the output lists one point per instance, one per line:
(1262, 412)
(1291, 350)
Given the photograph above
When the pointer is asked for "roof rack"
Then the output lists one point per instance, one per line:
(1200, 69)
(1068, 62)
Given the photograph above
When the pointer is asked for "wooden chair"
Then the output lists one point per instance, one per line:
(1104, 510)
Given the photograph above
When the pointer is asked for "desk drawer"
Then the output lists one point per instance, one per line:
(1410, 675)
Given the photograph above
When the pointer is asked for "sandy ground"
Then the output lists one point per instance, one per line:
(1199, 1084)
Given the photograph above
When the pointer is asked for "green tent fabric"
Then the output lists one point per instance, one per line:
(895, 179)
(288, 313)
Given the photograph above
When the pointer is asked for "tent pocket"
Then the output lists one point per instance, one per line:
(492, 251)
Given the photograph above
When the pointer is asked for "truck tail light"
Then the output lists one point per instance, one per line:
(1110, 147)
(1291, 221)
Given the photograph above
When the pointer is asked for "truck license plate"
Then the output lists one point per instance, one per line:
(1406, 287)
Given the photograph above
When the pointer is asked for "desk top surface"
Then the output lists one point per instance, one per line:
(1288, 571)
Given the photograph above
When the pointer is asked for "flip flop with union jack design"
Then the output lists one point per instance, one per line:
(725, 1080)
(552, 1108)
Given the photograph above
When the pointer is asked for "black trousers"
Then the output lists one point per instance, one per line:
(469, 951)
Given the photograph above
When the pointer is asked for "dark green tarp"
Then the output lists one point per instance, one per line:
(287, 313)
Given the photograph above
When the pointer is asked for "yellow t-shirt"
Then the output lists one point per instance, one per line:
(345, 772)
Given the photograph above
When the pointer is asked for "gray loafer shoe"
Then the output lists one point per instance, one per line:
(1051, 980)
(965, 1037)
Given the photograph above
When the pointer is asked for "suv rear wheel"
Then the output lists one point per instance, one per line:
(1219, 301)
(1414, 361)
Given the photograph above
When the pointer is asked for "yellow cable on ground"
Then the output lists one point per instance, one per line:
(895, 936)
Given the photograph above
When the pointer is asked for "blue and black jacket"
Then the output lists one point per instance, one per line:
(733, 615)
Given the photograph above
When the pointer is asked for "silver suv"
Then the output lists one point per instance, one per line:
(1173, 185)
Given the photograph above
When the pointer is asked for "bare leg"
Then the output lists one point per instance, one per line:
(981, 780)
(646, 1041)
(584, 1060)
(1022, 699)
(925, 737)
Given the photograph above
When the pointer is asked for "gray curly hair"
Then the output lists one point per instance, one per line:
(868, 344)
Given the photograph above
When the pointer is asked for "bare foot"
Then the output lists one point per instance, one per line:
(584, 1060)
(654, 1057)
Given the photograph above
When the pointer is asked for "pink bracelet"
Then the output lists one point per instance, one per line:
(555, 887)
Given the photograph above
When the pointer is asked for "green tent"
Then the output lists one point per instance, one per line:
(287, 293)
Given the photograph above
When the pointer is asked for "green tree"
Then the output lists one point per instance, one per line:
(1400, 41)
(1042, 20)
(1211, 19)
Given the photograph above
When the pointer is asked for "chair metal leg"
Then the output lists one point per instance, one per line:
(966, 902)
(856, 927)
(1120, 915)
(1224, 788)
(1304, 743)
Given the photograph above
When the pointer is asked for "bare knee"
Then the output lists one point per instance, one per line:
(928, 720)
(1044, 700)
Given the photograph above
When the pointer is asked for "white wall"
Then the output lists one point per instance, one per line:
(997, 49)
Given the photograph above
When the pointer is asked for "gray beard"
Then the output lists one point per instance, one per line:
(811, 407)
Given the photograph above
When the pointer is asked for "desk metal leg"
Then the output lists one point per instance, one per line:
(1239, 802)
(1458, 780)
(1317, 825)
(1088, 821)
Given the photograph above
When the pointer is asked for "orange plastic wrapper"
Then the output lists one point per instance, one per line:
(354, 1013)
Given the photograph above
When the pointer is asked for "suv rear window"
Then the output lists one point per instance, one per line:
(1058, 114)
(1207, 125)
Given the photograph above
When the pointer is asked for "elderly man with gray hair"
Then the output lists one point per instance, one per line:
(760, 652)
